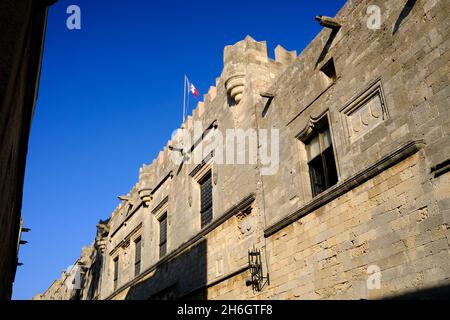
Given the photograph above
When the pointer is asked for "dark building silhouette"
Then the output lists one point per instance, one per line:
(22, 29)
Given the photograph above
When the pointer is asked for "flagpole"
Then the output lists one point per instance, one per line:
(188, 95)
(184, 99)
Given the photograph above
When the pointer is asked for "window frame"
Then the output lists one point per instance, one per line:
(163, 244)
(160, 212)
(137, 270)
(330, 178)
(207, 176)
(319, 128)
(116, 269)
(198, 175)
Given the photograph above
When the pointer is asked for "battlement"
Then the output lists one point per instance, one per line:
(238, 58)
(243, 60)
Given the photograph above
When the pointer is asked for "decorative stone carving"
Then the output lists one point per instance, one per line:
(161, 207)
(145, 193)
(235, 87)
(365, 112)
(102, 235)
(311, 126)
(246, 227)
(246, 222)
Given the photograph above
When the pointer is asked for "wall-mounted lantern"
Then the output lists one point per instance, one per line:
(257, 280)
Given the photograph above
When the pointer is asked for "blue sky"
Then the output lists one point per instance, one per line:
(110, 96)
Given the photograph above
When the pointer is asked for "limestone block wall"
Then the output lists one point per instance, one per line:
(384, 222)
(409, 66)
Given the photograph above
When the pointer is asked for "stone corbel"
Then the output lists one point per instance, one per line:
(145, 193)
(235, 87)
(328, 22)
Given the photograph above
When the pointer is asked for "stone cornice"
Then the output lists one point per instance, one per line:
(129, 215)
(400, 153)
(160, 205)
(125, 242)
(441, 168)
(199, 168)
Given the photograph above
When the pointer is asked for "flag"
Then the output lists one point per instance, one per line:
(189, 88)
(194, 91)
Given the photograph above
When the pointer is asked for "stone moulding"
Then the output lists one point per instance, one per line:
(365, 111)
(129, 215)
(199, 168)
(441, 168)
(311, 126)
(400, 153)
(125, 242)
(241, 205)
(160, 205)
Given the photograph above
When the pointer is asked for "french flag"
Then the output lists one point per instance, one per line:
(193, 90)
(189, 88)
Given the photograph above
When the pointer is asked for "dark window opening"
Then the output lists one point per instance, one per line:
(206, 201)
(137, 257)
(329, 70)
(163, 235)
(269, 99)
(116, 272)
(321, 161)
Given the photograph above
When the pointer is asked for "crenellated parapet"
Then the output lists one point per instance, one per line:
(246, 65)
(248, 60)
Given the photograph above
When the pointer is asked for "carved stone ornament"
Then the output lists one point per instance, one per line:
(235, 87)
(365, 112)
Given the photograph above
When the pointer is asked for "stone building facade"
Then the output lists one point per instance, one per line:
(358, 205)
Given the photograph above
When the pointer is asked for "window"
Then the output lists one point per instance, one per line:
(137, 257)
(321, 162)
(163, 235)
(329, 70)
(206, 201)
(116, 272)
(269, 98)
